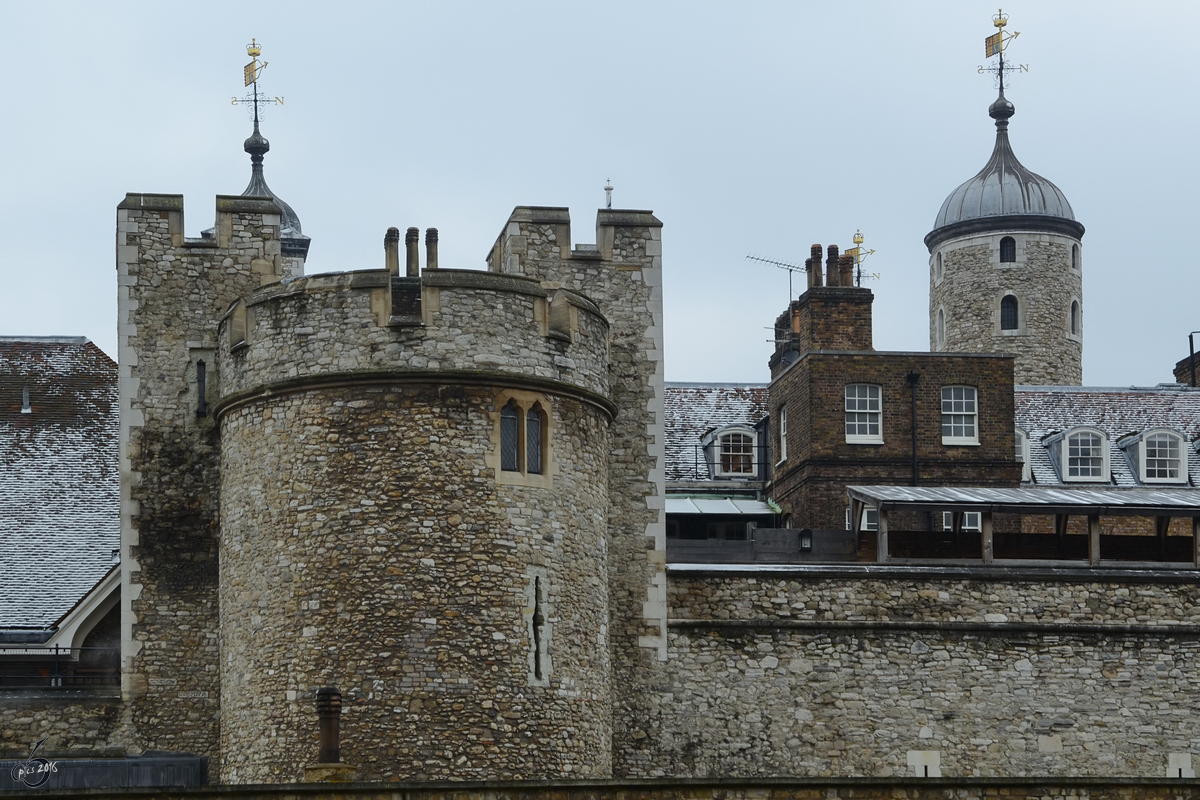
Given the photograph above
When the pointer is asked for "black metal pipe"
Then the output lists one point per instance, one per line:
(1192, 356)
(913, 379)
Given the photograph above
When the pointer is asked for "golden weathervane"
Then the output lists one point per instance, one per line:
(251, 73)
(997, 44)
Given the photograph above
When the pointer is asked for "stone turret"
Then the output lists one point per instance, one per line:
(410, 483)
(1006, 270)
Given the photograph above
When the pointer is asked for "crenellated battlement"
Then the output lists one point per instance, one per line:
(404, 419)
(480, 326)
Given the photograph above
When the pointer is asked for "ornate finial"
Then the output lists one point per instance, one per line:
(995, 45)
(608, 187)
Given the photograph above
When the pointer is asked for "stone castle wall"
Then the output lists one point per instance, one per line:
(475, 323)
(365, 544)
(370, 540)
(623, 272)
(171, 295)
(974, 281)
(776, 674)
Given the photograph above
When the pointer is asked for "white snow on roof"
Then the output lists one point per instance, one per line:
(1043, 411)
(695, 409)
(59, 480)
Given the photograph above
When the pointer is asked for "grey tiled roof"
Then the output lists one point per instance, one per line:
(59, 481)
(695, 409)
(1043, 411)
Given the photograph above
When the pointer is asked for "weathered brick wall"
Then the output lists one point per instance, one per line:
(973, 283)
(172, 293)
(774, 675)
(824, 318)
(623, 274)
(811, 483)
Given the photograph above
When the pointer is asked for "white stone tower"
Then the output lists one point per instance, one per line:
(1006, 268)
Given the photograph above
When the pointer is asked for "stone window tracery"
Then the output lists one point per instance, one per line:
(522, 440)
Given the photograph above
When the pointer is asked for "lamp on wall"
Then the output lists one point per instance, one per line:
(806, 540)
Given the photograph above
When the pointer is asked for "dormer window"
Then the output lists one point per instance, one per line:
(733, 452)
(1022, 455)
(1163, 462)
(1081, 455)
(1158, 456)
(737, 454)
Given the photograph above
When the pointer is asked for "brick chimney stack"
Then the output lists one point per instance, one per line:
(834, 316)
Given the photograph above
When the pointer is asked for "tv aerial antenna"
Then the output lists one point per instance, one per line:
(859, 253)
(791, 269)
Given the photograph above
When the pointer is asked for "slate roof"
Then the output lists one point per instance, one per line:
(695, 409)
(1043, 411)
(59, 479)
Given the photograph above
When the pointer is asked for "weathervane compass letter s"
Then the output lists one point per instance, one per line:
(251, 72)
(996, 44)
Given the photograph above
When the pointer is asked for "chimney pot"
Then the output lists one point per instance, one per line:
(391, 250)
(846, 268)
(411, 240)
(431, 248)
(831, 268)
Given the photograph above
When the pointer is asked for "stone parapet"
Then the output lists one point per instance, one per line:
(474, 323)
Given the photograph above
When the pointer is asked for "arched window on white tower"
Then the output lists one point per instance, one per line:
(941, 329)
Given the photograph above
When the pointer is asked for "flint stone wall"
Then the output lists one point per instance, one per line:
(366, 544)
(773, 675)
(974, 282)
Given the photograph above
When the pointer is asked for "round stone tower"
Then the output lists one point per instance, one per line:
(1006, 268)
(414, 488)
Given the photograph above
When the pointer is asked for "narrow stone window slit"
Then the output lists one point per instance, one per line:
(539, 620)
(201, 381)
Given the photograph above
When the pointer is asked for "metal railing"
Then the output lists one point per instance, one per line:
(736, 465)
(59, 667)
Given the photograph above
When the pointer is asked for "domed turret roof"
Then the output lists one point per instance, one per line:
(1002, 190)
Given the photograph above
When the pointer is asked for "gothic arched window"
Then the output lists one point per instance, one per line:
(1008, 250)
(510, 438)
(1008, 313)
(533, 440)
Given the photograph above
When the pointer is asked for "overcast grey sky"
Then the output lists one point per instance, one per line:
(748, 128)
